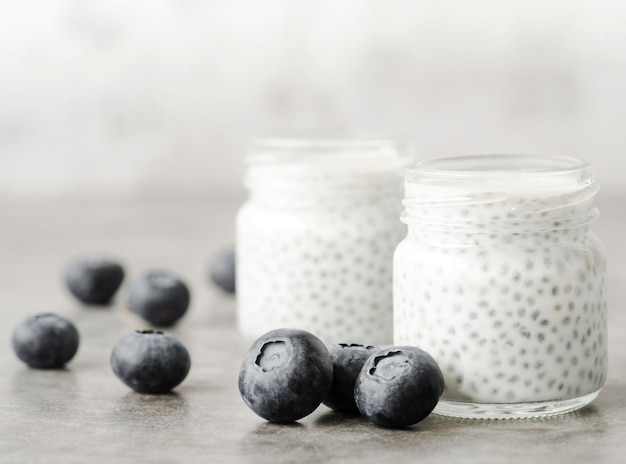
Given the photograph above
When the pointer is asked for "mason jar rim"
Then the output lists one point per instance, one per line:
(314, 163)
(500, 167)
(521, 187)
(293, 149)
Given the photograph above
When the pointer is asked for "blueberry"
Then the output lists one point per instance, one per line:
(398, 386)
(348, 359)
(45, 341)
(285, 375)
(150, 361)
(159, 297)
(222, 270)
(94, 281)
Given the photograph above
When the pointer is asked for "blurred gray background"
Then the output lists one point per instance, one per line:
(162, 96)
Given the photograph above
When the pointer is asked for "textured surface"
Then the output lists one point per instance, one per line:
(85, 414)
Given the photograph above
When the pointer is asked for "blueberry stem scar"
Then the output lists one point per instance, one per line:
(356, 345)
(390, 365)
(272, 354)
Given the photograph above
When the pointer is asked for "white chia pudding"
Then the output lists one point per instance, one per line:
(501, 280)
(315, 240)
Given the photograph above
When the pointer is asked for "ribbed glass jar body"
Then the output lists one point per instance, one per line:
(501, 279)
(315, 239)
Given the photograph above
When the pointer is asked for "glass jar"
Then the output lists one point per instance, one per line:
(501, 279)
(315, 239)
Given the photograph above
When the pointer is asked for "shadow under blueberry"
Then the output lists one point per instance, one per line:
(353, 421)
(318, 436)
(332, 419)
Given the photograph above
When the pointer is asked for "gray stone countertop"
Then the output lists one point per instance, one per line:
(85, 414)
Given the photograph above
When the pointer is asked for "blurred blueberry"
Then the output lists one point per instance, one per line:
(94, 280)
(159, 297)
(222, 270)
(150, 361)
(45, 341)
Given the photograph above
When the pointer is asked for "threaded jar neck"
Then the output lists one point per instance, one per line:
(500, 194)
(323, 166)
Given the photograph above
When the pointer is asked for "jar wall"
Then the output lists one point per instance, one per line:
(501, 279)
(507, 324)
(315, 240)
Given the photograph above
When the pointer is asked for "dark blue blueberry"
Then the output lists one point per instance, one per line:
(45, 341)
(398, 386)
(94, 281)
(159, 297)
(222, 270)
(348, 359)
(285, 375)
(150, 361)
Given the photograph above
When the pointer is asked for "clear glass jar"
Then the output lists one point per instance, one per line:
(501, 279)
(315, 239)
